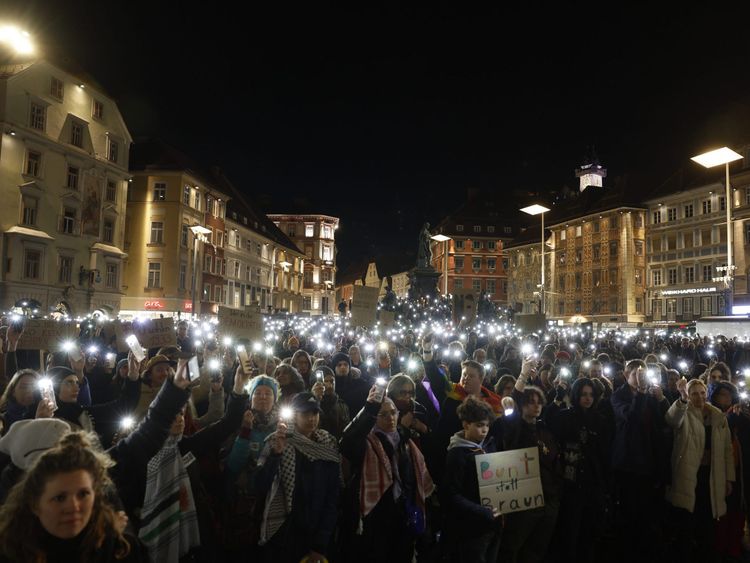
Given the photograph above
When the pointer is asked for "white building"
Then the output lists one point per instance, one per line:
(63, 179)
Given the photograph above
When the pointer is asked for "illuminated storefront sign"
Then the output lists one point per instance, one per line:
(153, 305)
(690, 291)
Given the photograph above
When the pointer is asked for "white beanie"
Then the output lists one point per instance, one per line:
(26, 440)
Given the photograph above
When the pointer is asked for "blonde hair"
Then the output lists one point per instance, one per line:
(20, 528)
(693, 383)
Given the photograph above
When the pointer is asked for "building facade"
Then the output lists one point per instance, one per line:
(264, 268)
(167, 201)
(64, 179)
(524, 267)
(315, 236)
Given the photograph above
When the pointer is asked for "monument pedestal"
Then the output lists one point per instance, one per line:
(423, 283)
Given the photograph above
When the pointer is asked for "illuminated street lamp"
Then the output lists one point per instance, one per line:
(444, 239)
(16, 39)
(199, 232)
(710, 159)
(537, 209)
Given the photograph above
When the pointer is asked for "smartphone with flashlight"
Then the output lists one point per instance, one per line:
(47, 391)
(75, 353)
(135, 347)
(191, 364)
(319, 375)
(245, 362)
(380, 385)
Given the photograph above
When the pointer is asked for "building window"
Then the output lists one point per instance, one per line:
(111, 192)
(112, 153)
(688, 210)
(747, 196)
(69, 220)
(563, 234)
(596, 251)
(706, 305)
(612, 248)
(706, 206)
(28, 215)
(639, 277)
(639, 220)
(182, 279)
(656, 277)
(578, 280)
(579, 256)
(490, 229)
(56, 89)
(639, 305)
(672, 276)
(476, 244)
(672, 214)
(579, 230)
(160, 191)
(596, 278)
(477, 229)
(206, 292)
(327, 253)
(154, 274)
(38, 116)
(562, 258)
(72, 179)
(32, 264)
(110, 280)
(689, 274)
(639, 248)
(291, 231)
(307, 303)
(491, 245)
(707, 273)
(157, 232)
(656, 217)
(508, 230)
(98, 112)
(476, 284)
(459, 264)
(108, 231)
(184, 236)
(76, 134)
(460, 228)
(217, 293)
(459, 245)
(208, 263)
(722, 203)
(595, 226)
(491, 264)
(491, 287)
(33, 164)
(65, 274)
(237, 267)
(476, 264)
(309, 231)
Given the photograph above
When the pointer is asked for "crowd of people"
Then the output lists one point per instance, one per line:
(329, 442)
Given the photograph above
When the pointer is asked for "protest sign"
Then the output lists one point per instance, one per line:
(364, 305)
(464, 306)
(46, 334)
(387, 319)
(509, 481)
(155, 333)
(247, 323)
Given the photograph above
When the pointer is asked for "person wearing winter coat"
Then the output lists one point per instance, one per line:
(299, 476)
(334, 415)
(472, 531)
(352, 390)
(584, 446)
(702, 465)
(384, 505)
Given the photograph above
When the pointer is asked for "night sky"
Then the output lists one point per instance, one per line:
(384, 117)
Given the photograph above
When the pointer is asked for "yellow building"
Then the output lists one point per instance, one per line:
(169, 200)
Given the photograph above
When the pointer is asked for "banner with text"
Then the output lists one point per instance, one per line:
(387, 319)
(46, 334)
(364, 305)
(241, 323)
(155, 333)
(510, 481)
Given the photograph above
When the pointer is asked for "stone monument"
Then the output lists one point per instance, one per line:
(423, 278)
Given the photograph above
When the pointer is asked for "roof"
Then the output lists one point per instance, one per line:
(483, 208)
(688, 178)
(355, 271)
(240, 204)
(592, 200)
(527, 237)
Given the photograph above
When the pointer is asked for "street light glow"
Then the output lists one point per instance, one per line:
(535, 209)
(18, 40)
(440, 238)
(716, 157)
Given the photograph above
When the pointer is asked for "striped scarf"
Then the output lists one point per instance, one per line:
(322, 447)
(377, 475)
(169, 523)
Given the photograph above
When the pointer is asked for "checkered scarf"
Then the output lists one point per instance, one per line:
(322, 446)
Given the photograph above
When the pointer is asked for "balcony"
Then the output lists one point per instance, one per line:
(68, 225)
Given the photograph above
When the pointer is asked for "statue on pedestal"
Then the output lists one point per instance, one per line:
(424, 253)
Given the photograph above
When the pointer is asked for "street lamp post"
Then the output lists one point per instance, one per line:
(710, 159)
(537, 209)
(199, 235)
(444, 239)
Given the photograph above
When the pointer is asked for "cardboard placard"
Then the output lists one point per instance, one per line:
(121, 330)
(155, 333)
(387, 319)
(239, 323)
(46, 334)
(510, 481)
(364, 306)
(464, 305)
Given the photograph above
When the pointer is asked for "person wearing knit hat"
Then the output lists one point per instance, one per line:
(28, 439)
(263, 380)
(352, 390)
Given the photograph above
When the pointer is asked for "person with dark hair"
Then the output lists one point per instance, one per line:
(334, 414)
(639, 458)
(504, 386)
(527, 534)
(584, 443)
(472, 532)
(352, 390)
(21, 398)
(290, 383)
(59, 512)
(303, 364)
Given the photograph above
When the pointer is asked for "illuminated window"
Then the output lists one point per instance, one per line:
(154, 274)
(56, 88)
(38, 116)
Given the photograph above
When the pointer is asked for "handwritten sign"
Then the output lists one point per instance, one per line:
(46, 334)
(464, 305)
(155, 333)
(364, 305)
(510, 481)
(387, 319)
(241, 323)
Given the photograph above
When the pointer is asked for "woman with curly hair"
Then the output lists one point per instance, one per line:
(59, 512)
